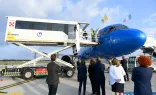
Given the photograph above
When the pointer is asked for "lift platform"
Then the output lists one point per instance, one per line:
(27, 32)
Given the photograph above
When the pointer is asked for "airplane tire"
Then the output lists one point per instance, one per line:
(28, 74)
(70, 73)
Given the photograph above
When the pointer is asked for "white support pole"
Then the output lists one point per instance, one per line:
(44, 55)
(63, 62)
(78, 37)
(34, 50)
(34, 64)
(30, 62)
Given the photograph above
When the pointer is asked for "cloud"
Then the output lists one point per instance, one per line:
(31, 8)
(27, 8)
(79, 10)
(115, 15)
(84, 10)
(151, 20)
(10, 51)
(150, 31)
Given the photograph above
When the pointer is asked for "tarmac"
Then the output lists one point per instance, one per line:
(67, 86)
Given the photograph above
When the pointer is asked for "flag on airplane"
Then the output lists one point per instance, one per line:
(105, 18)
(129, 17)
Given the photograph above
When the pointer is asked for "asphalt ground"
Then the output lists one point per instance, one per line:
(67, 86)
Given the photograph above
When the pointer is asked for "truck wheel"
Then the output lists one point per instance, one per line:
(28, 74)
(70, 73)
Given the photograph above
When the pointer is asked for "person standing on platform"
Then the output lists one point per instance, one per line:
(93, 35)
(91, 72)
(53, 77)
(99, 77)
(124, 65)
(82, 77)
(141, 76)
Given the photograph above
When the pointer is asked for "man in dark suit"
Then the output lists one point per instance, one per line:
(124, 65)
(53, 77)
(99, 77)
(82, 77)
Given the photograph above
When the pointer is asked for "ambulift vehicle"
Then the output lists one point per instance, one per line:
(132, 62)
(28, 32)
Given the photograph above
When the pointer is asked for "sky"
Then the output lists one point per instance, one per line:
(143, 14)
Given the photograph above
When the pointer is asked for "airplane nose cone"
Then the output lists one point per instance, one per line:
(129, 41)
(139, 38)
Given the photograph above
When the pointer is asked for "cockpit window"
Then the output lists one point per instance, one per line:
(121, 27)
(109, 30)
(112, 28)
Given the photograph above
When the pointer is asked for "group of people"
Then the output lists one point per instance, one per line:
(96, 75)
(141, 76)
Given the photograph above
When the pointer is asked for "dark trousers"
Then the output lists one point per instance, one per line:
(84, 86)
(93, 85)
(126, 78)
(102, 85)
(93, 38)
(52, 89)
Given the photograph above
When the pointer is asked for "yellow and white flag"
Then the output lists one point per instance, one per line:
(105, 18)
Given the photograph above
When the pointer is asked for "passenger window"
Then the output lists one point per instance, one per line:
(71, 32)
(22, 25)
(57, 27)
(40, 26)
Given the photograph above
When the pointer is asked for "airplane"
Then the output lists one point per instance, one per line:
(114, 41)
(150, 46)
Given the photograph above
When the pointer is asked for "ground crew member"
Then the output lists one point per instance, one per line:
(93, 35)
(1, 74)
(53, 77)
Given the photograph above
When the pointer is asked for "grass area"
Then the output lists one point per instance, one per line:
(19, 62)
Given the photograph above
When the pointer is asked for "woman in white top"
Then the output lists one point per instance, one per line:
(116, 73)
